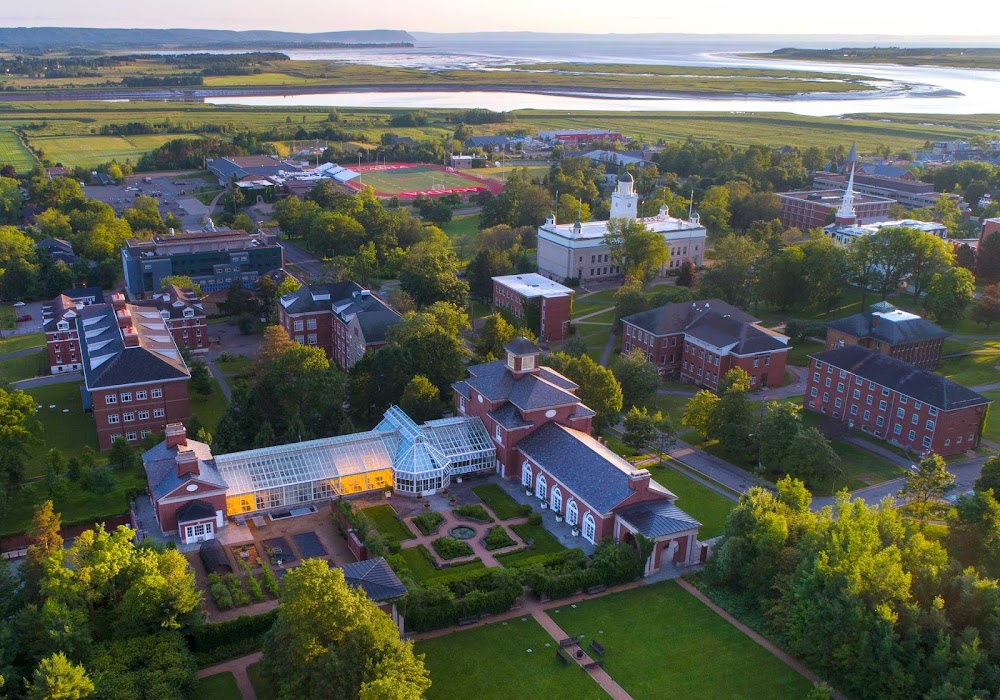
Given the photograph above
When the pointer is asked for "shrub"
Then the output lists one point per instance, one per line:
(497, 538)
(439, 605)
(428, 523)
(240, 597)
(270, 581)
(220, 594)
(451, 548)
(535, 518)
(216, 642)
(525, 509)
(611, 564)
(256, 592)
(473, 512)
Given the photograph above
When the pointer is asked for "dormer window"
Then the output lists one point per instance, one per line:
(188, 313)
(63, 326)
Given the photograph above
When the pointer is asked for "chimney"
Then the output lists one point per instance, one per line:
(638, 480)
(187, 463)
(130, 337)
(118, 301)
(176, 435)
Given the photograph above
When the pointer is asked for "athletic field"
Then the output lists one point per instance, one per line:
(405, 180)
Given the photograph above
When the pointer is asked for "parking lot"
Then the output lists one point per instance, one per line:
(171, 190)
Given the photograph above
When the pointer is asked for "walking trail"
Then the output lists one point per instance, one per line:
(238, 667)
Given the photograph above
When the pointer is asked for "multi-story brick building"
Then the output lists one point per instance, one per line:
(184, 315)
(343, 318)
(213, 259)
(892, 332)
(895, 401)
(544, 304)
(62, 340)
(817, 208)
(135, 379)
(987, 228)
(700, 341)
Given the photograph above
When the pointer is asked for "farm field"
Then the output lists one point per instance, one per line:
(643, 627)
(480, 663)
(13, 151)
(404, 181)
(90, 151)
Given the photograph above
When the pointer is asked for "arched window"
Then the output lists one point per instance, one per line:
(572, 515)
(541, 487)
(526, 475)
(589, 527)
(556, 503)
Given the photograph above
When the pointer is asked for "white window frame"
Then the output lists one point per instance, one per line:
(156, 394)
(526, 475)
(114, 419)
(589, 527)
(572, 513)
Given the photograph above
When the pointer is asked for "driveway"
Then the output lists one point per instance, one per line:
(31, 308)
(310, 266)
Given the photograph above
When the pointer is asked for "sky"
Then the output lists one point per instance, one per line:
(589, 16)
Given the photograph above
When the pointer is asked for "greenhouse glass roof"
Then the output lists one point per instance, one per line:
(459, 437)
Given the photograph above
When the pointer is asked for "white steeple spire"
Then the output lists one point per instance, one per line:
(846, 215)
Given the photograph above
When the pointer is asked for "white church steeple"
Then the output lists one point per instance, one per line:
(845, 215)
(624, 201)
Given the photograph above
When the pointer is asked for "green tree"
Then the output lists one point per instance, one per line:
(931, 256)
(783, 281)
(639, 252)
(640, 428)
(572, 209)
(714, 211)
(811, 456)
(688, 276)
(201, 377)
(827, 268)
(428, 273)
(487, 264)
(988, 259)
(735, 273)
(929, 482)
(18, 432)
(987, 309)
(989, 475)
(181, 282)
(144, 215)
(494, 334)
(122, 455)
(58, 678)
(893, 254)
(330, 640)
(599, 390)
(779, 426)
(45, 541)
(421, 400)
(949, 294)
(698, 411)
(638, 377)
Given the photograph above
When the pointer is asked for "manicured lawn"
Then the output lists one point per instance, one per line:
(606, 316)
(544, 543)
(500, 661)
(700, 502)
(386, 522)
(390, 182)
(463, 231)
(208, 409)
(423, 571)
(14, 343)
(799, 354)
(68, 432)
(221, 686)
(643, 629)
(972, 370)
(263, 687)
(497, 500)
(237, 365)
(861, 467)
(595, 338)
(24, 367)
(992, 430)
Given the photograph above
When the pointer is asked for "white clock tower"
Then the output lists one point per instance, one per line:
(624, 201)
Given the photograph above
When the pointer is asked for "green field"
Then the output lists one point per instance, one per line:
(502, 661)
(91, 151)
(12, 151)
(417, 178)
(800, 352)
(463, 231)
(972, 370)
(708, 507)
(386, 523)
(208, 409)
(13, 343)
(221, 686)
(24, 367)
(662, 642)
(68, 432)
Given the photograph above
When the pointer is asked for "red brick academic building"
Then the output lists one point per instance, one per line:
(545, 304)
(699, 342)
(892, 332)
(62, 339)
(184, 315)
(894, 401)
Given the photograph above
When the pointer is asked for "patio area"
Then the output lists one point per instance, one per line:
(561, 531)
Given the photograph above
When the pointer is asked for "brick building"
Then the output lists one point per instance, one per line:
(343, 318)
(817, 208)
(545, 304)
(62, 340)
(988, 228)
(892, 332)
(894, 401)
(135, 380)
(184, 315)
(700, 341)
(541, 431)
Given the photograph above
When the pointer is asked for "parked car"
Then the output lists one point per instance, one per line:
(23, 318)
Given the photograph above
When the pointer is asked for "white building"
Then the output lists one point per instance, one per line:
(847, 233)
(578, 249)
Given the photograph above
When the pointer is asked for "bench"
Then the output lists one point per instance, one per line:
(569, 641)
(562, 656)
(468, 621)
(598, 647)
(600, 588)
(594, 664)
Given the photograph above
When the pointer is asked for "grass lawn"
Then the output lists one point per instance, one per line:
(861, 467)
(700, 502)
(606, 316)
(799, 354)
(493, 663)
(387, 524)
(221, 686)
(972, 370)
(544, 543)
(68, 432)
(423, 571)
(992, 429)
(264, 689)
(90, 151)
(535, 172)
(24, 367)
(237, 365)
(642, 628)
(502, 505)
(208, 409)
(415, 179)
(14, 343)
(463, 231)
(595, 338)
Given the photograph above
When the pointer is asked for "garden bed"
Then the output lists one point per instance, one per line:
(500, 502)
(449, 548)
(387, 522)
(428, 523)
(497, 538)
(420, 564)
(472, 512)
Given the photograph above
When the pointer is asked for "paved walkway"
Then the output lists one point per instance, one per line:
(488, 557)
(21, 353)
(238, 667)
(47, 380)
(986, 387)
(221, 379)
(609, 348)
(595, 313)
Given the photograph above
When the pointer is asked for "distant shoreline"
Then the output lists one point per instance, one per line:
(981, 58)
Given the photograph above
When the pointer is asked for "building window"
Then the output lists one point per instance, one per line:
(541, 487)
(900, 413)
(298, 326)
(912, 435)
(815, 376)
(897, 429)
(857, 381)
(813, 392)
(146, 433)
(143, 415)
(914, 418)
(461, 404)
(311, 339)
(932, 411)
(959, 440)
(756, 363)
(131, 436)
(589, 527)
(115, 436)
(885, 391)
(882, 405)
(300, 339)
(868, 416)
(826, 397)
(819, 365)
(926, 442)
(556, 504)
(917, 405)
(129, 416)
(902, 399)
(840, 387)
(868, 400)
(114, 418)
(140, 396)
(126, 397)
(880, 421)
(157, 393)
(499, 435)
(843, 373)
(311, 324)
(857, 395)
(854, 410)
(828, 382)
(526, 475)
(929, 425)
(110, 398)
(159, 413)
(572, 514)
(767, 361)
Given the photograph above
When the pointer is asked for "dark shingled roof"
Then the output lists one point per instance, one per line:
(509, 417)
(345, 300)
(521, 346)
(587, 468)
(928, 387)
(213, 556)
(195, 510)
(160, 464)
(907, 330)
(712, 321)
(375, 578)
(657, 518)
(302, 299)
(528, 392)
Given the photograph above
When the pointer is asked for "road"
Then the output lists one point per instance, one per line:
(308, 265)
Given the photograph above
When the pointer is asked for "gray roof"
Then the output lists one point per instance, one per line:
(375, 578)
(867, 325)
(587, 468)
(160, 464)
(928, 387)
(521, 346)
(712, 321)
(304, 299)
(528, 392)
(345, 300)
(195, 510)
(487, 141)
(657, 518)
(509, 417)
(550, 375)
(226, 168)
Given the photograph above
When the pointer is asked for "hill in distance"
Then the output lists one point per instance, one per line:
(37, 39)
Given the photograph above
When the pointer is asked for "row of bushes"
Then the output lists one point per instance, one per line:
(612, 564)
(215, 642)
(473, 512)
(451, 548)
(228, 591)
(438, 605)
(363, 526)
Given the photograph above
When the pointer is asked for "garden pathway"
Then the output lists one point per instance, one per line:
(475, 543)
(238, 667)
(774, 650)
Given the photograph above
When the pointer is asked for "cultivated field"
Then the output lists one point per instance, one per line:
(91, 151)
(409, 181)
(13, 151)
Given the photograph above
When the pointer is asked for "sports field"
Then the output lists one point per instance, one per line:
(91, 151)
(12, 151)
(410, 181)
